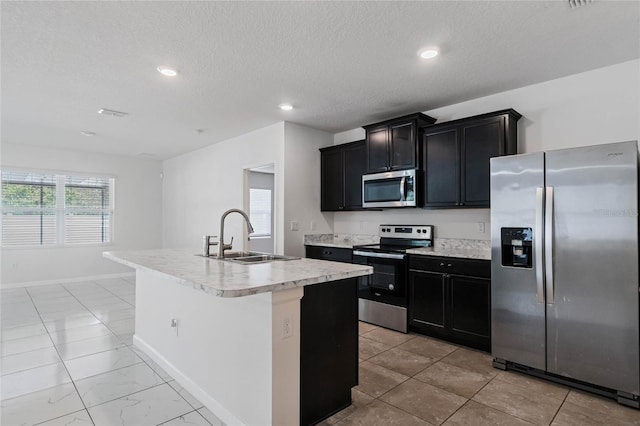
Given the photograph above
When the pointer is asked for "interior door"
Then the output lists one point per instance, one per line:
(592, 293)
(517, 307)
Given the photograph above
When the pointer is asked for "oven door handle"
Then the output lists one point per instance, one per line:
(379, 255)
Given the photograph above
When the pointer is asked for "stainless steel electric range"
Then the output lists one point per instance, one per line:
(383, 296)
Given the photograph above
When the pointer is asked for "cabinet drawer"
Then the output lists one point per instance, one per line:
(451, 265)
(336, 254)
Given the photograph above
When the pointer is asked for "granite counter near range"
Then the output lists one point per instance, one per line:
(461, 253)
(444, 247)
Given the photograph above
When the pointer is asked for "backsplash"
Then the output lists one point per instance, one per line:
(461, 243)
(347, 239)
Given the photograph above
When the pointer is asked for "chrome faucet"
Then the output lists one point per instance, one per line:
(222, 246)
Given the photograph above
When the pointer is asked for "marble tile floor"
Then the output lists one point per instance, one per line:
(408, 379)
(68, 359)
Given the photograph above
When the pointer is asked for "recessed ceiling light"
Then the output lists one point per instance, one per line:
(112, 112)
(286, 107)
(428, 53)
(88, 133)
(169, 72)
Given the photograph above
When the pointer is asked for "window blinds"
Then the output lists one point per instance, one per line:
(260, 211)
(53, 209)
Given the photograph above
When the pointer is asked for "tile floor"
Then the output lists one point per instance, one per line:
(68, 359)
(408, 379)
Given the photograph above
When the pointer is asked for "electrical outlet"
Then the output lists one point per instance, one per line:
(174, 324)
(287, 328)
(294, 225)
(313, 225)
(481, 227)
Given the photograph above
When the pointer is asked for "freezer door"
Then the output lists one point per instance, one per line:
(517, 301)
(592, 280)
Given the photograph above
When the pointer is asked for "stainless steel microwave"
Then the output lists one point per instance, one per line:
(389, 189)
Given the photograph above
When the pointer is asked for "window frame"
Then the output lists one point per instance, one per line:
(60, 210)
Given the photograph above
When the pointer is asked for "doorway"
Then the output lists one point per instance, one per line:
(261, 208)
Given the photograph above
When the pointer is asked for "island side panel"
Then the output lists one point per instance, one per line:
(221, 351)
(286, 356)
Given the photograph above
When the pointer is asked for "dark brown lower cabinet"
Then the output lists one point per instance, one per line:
(450, 299)
(328, 348)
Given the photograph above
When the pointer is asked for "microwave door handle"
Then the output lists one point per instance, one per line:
(403, 183)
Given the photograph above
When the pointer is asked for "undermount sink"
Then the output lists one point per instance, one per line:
(251, 257)
(259, 258)
(235, 254)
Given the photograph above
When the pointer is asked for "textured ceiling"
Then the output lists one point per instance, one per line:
(341, 64)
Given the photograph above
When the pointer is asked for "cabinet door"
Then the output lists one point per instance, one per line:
(402, 146)
(377, 150)
(470, 306)
(331, 185)
(354, 168)
(441, 168)
(479, 142)
(427, 300)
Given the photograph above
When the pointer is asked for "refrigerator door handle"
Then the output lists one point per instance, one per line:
(538, 244)
(548, 244)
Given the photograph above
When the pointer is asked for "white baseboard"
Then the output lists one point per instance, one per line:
(214, 406)
(67, 280)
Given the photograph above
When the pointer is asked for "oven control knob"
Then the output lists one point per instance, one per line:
(384, 230)
(419, 231)
(392, 287)
(388, 229)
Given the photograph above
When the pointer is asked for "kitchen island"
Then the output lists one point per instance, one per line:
(253, 343)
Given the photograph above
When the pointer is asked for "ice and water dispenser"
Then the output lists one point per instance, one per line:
(517, 247)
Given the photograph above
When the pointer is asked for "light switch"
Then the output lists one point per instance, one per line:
(294, 226)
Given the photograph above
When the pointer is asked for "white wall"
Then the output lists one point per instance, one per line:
(590, 108)
(137, 219)
(198, 187)
(302, 185)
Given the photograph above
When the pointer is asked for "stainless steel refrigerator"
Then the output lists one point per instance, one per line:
(564, 290)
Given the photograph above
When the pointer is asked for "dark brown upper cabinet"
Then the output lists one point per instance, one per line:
(393, 144)
(342, 167)
(455, 158)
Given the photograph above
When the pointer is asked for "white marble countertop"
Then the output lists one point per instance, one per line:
(465, 253)
(230, 279)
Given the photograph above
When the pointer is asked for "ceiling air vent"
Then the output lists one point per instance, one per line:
(105, 111)
(578, 3)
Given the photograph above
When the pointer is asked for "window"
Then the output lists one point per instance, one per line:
(54, 209)
(260, 211)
